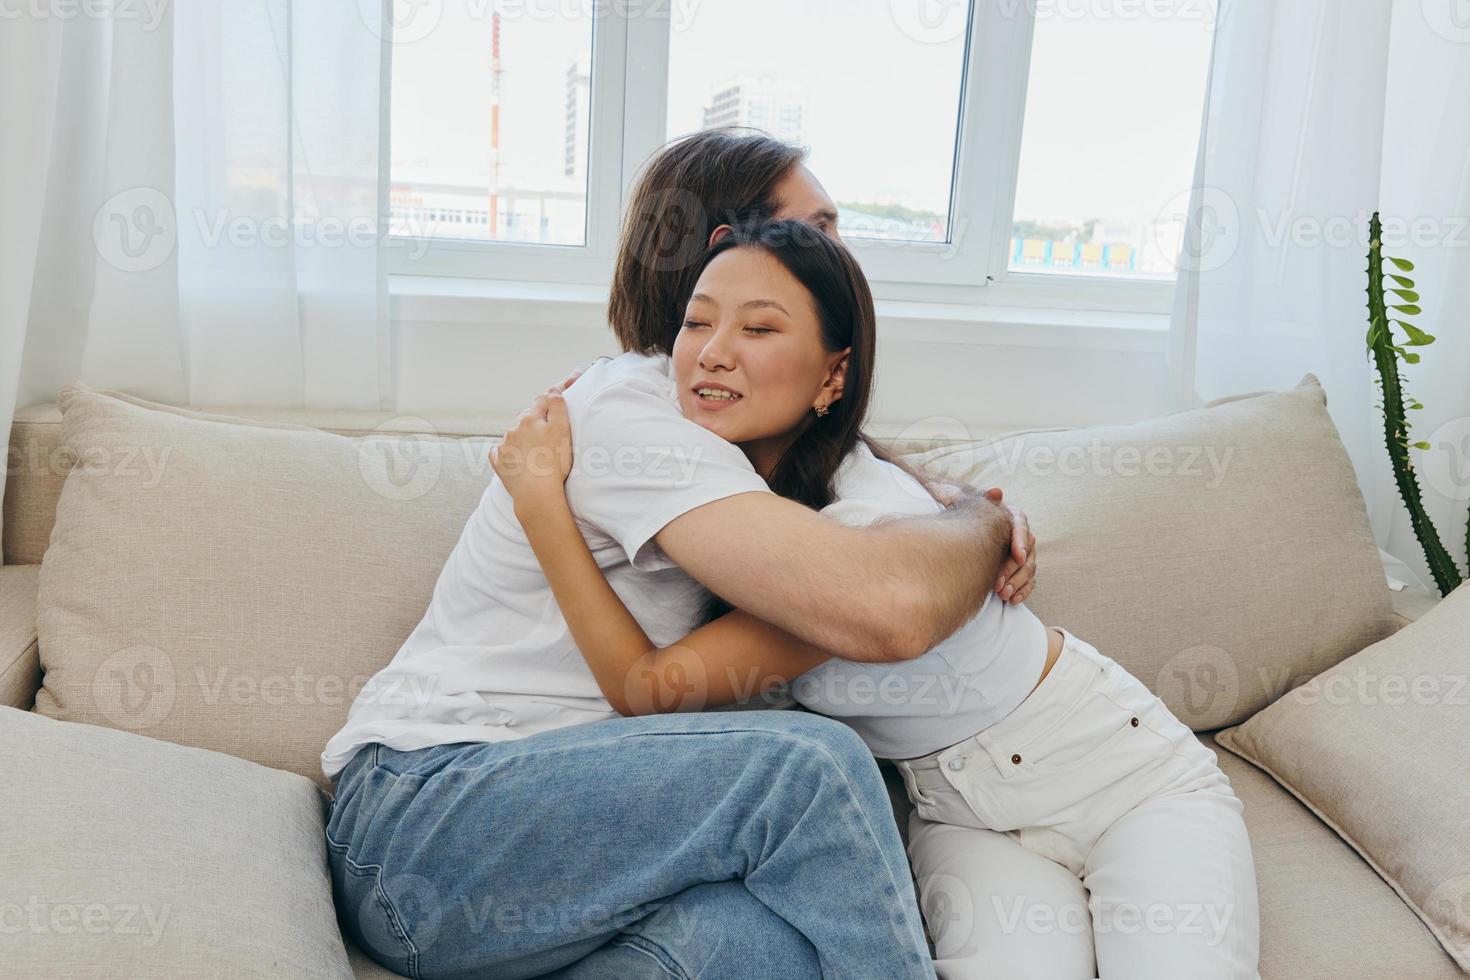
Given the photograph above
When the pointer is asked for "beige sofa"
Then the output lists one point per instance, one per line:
(1325, 912)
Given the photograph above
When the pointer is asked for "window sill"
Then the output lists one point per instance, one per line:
(491, 303)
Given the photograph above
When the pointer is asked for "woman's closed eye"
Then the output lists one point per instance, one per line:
(692, 324)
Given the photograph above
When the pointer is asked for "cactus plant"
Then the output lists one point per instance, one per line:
(1386, 352)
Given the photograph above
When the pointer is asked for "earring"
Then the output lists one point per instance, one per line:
(822, 411)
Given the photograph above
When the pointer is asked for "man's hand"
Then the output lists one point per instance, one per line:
(1018, 575)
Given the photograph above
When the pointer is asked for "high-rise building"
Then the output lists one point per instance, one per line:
(579, 106)
(772, 105)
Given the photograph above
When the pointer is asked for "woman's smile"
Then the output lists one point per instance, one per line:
(715, 397)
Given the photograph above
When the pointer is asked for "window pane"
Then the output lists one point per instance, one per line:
(1112, 127)
(876, 100)
(490, 121)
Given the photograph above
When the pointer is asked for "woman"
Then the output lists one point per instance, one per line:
(1049, 776)
(494, 815)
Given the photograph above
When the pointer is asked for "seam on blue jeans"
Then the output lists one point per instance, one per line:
(375, 871)
(654, 952)
(899, 927)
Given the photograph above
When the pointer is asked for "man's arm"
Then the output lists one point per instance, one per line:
(887, 592)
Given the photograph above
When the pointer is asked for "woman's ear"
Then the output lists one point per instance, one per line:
(838, 372)
(719, 232)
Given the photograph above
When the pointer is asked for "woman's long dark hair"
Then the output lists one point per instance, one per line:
(844, 304)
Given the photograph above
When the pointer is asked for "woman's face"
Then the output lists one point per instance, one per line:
(752, 331)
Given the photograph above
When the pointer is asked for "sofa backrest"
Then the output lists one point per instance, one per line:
(37, 467)
(1222, 555)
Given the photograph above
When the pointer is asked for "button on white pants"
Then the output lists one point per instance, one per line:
(1087, 834)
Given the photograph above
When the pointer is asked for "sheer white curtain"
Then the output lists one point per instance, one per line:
(1426, 198)
(1292, 157)
(192, 202)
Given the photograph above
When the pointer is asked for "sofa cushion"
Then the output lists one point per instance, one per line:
(1325, 913)
(130, 857)
(34, 473)
(1222, 554)
(20, 662)
(232, 585)
(1379, 748)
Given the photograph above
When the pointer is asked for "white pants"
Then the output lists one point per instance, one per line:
(1087, 834)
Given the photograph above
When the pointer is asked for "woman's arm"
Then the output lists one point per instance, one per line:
(735, 657)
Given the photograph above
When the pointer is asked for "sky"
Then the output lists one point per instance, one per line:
(1112, 116)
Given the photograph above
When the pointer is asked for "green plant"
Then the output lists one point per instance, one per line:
(1386, 352)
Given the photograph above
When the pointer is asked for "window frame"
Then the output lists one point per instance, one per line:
(629, 68)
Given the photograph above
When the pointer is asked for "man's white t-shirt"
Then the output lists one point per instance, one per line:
(967, 683)
(493, 659)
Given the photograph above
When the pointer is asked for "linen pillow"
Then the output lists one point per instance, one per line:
(1222, 554)
(130, 857)
(231, 585)
(1378, 747)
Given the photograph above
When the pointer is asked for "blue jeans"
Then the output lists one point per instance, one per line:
(732, 844)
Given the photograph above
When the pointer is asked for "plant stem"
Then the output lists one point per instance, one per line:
(1396, 424)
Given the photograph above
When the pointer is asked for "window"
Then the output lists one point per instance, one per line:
(1112, 122)
(877, 106)
(490, 111)
(1046, 146)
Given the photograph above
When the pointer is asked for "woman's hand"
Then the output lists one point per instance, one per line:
(536, 455)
